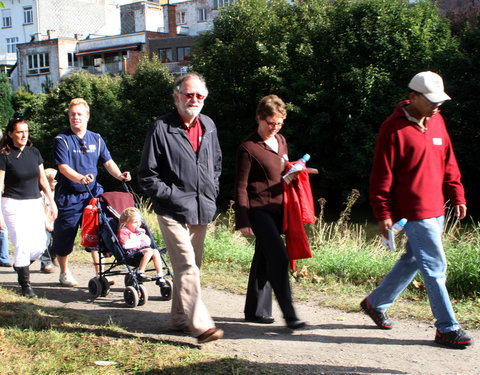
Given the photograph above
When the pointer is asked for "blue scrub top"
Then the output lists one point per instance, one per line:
(82, 155)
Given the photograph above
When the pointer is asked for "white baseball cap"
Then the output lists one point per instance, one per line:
(429, 84)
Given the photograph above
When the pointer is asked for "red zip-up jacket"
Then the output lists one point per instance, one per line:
(413, 171)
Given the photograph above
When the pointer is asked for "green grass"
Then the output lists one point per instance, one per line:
(37, 339)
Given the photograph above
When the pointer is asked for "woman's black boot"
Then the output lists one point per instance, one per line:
(24, 281)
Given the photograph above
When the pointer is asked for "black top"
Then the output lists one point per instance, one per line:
(183, 184)
(21, 173)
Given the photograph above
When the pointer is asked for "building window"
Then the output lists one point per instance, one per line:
(6, 18)
(72, 59)
(165, 54)
(11, 44)
(217, 4)
(183, 53)
(181, 18)
(38, 63)
(27, 15)
(202, 14)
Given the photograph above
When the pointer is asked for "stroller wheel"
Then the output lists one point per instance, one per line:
(129, 280)
(94, 287)
(166, 290)
(130, 295)
(142, 295)
(105, 286)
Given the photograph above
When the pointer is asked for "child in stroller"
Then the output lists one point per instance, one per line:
(137, 244)
(107, 206)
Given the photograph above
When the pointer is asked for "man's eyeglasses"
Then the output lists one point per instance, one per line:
(191, 95)
(273, 124)
(83, 147)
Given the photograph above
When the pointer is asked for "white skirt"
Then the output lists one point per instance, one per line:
(25, 220)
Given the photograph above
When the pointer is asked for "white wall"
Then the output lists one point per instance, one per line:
(67, 17)
(154, 19)
(196, 27)
(18, 29)
(111, 41)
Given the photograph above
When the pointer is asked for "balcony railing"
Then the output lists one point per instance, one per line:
(176, 67)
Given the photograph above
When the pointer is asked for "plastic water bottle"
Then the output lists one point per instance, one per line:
(300, 163)
(298, 166)
(392, 232)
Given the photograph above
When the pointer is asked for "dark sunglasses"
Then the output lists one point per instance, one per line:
(191, 95)
(83, 147)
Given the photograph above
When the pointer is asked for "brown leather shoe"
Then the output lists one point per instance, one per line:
(211, 334)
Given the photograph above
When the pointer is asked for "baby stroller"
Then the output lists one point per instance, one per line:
(110, 205)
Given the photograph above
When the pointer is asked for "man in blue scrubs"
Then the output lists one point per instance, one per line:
(77, 152)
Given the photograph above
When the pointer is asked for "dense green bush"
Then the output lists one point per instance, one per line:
(341, 66)
(6, 108)
(463, 112)
(121, 110)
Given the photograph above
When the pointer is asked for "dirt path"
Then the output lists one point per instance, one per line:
(335, 342)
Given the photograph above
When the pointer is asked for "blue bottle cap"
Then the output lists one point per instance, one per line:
(306, 157)
(402, 221)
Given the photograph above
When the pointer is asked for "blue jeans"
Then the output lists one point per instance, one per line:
(424, 252)
(4, 254)
(46, 258)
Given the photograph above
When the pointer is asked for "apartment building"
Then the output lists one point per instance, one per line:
(24, 21)
(169, 30)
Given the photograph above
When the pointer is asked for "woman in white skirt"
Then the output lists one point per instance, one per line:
(21, 177)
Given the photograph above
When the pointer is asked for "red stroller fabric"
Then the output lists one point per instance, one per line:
(298, 208)
(117, 201)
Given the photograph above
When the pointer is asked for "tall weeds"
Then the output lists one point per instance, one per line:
(342, 252)
(341, 232)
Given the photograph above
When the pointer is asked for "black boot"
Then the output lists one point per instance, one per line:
(24, 281)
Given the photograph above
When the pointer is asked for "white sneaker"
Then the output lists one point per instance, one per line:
(67, 279)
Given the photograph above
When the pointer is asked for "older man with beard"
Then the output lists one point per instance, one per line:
(179, 170)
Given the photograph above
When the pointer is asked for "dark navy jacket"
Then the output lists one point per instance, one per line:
(181, 184)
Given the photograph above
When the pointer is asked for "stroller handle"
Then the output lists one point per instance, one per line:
(124, 185)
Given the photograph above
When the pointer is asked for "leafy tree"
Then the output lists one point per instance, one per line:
(463, 112)
(31, 107)
(145, 96)
(121, 110)
(6, 108)
(341, 67)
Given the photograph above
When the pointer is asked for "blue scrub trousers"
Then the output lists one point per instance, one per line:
(70, 211)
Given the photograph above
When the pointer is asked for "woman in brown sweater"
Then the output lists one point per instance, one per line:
(261, 161)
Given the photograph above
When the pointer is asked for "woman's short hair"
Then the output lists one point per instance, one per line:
(271, 105)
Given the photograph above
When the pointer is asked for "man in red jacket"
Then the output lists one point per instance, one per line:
(414, 166)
